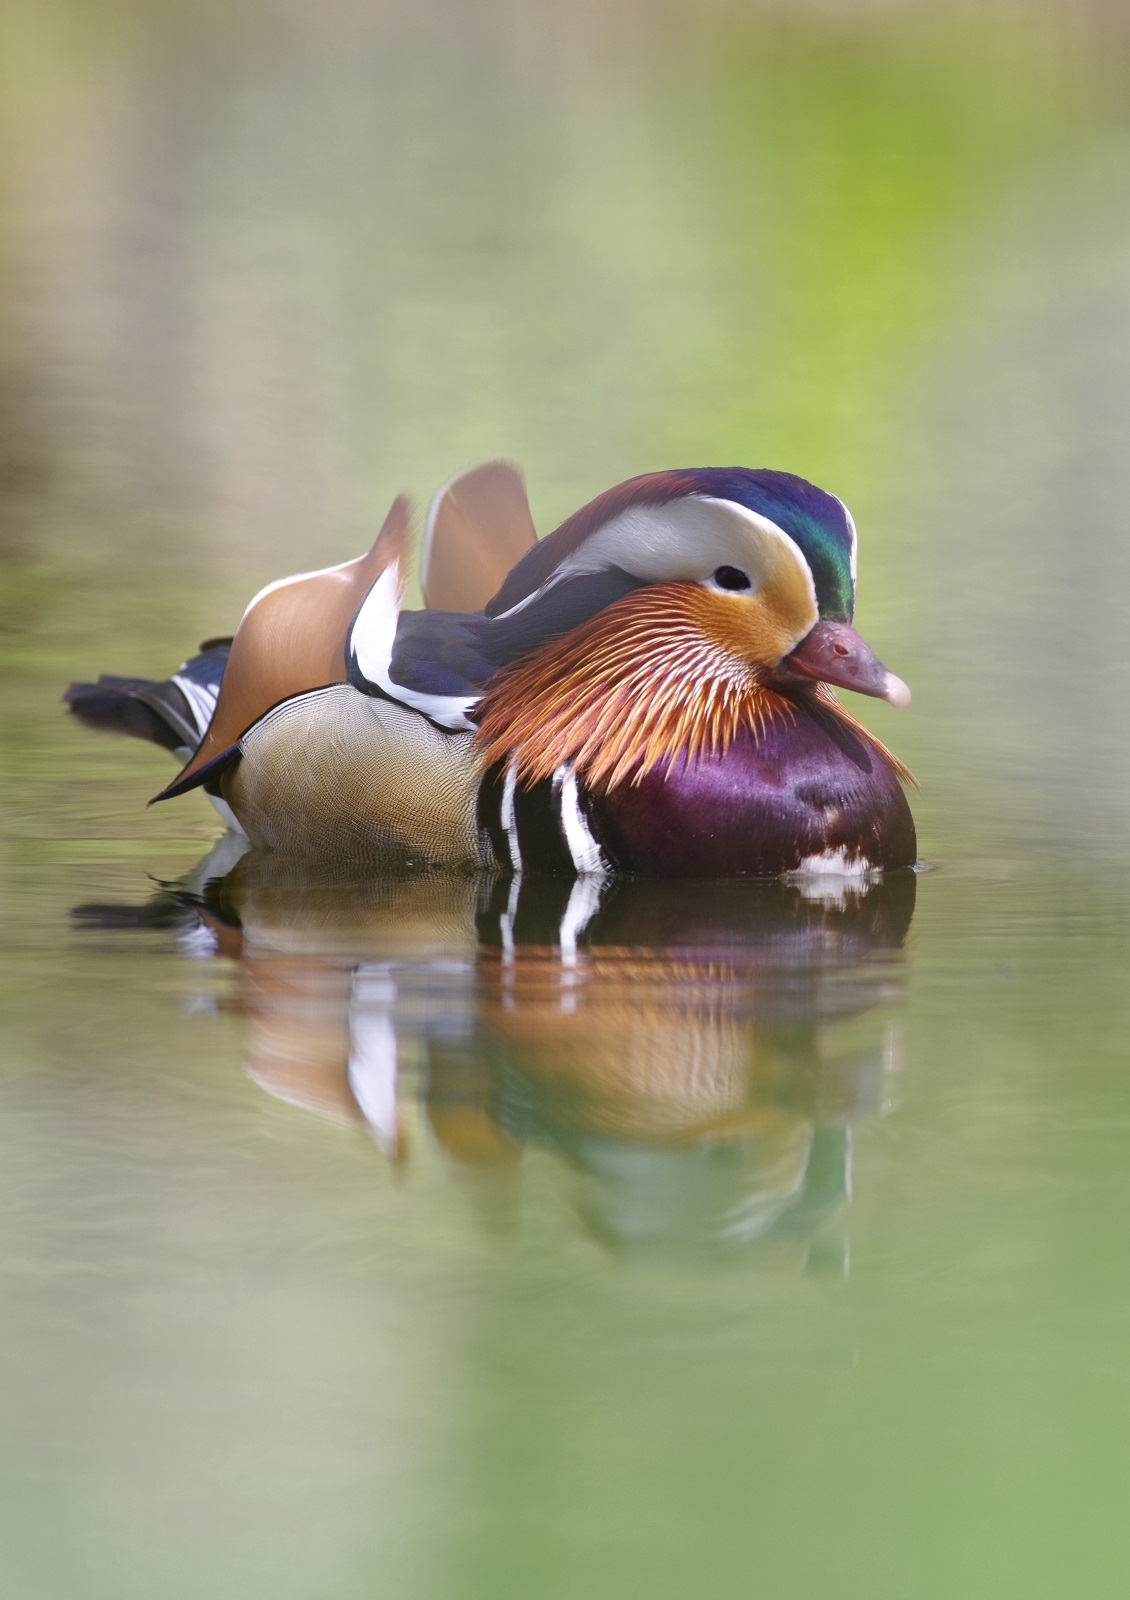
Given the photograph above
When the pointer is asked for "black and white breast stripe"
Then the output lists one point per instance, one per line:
(543, 827)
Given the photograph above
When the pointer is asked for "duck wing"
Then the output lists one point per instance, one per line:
(438, 662)
(479, 527)
(292, 639)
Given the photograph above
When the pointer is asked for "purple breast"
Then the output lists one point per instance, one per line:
(799, 790)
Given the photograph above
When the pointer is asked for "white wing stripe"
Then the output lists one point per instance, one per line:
(371, 641)
(201, 701)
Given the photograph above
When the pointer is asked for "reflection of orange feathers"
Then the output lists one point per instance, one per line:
(297, 1039)
(646, 680)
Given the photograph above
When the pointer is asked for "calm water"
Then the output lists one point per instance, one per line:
(442, 1238)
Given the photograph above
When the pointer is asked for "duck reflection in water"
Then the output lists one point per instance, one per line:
(685, 1047)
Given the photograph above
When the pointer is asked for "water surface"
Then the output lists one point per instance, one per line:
(446, 1237)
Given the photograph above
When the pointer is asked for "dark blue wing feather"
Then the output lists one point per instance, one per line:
(449, 653)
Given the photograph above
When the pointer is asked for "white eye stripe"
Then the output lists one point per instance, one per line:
(684, 540)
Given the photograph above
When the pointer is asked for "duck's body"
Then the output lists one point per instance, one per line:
(646, 692)
(805, 796)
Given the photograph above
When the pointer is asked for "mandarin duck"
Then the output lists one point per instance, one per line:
(648, 690)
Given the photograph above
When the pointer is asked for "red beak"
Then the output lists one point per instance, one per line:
(834, 653)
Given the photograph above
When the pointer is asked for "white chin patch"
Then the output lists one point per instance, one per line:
(833, 874)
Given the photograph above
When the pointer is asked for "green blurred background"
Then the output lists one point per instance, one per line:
(262, 266)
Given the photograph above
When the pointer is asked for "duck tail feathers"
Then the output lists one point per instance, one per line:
(173, 713)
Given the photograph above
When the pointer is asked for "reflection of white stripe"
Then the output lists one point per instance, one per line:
(372, 639)
(584, 903)
(506, 815)
(199, 942)
(506, 920)
(586, 853)
(372, 1074)
(201, 701)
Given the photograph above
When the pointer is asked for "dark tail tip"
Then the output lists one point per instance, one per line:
(205, 777)
(112, 705)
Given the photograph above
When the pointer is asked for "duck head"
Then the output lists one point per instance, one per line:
(686, 605)
(773, 559)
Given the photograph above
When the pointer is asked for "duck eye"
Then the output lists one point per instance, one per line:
(732, 578)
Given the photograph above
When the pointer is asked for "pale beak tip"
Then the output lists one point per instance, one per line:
(897, 692)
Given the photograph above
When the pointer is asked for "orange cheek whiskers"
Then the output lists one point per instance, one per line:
(636, 687)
